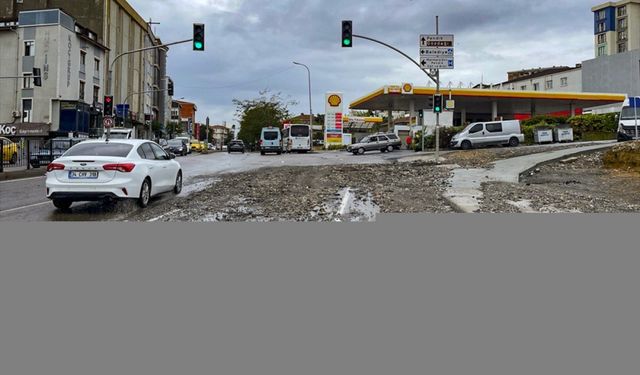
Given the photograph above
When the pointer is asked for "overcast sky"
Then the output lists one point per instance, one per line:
(250, 44)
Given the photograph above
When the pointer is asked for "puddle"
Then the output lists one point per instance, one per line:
(351, 208)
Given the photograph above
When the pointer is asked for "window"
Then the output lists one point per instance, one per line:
(148, 152)
(30, 48)
(27, 108)
(96, 94)
(299, 131)
(622, 23)
(83, 58)
(523, 88)
(622, 47)
(81, 93)
(601, 27)
(536, 87)
(602, 38)
(602, 50)
(97, 65)
(600, 15)
(564, 82)
(26, 81)
(548, 85)
(495, 127)
(476, 129)
(159, 152)
(622, 11)
(117, 150)
(271, 136)
(373, 139)
(622, 35)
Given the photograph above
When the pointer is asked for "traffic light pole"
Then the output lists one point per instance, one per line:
(400, 52)
(437, 93)
(111, 81)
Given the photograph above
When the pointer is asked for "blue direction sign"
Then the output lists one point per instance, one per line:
(122, 110)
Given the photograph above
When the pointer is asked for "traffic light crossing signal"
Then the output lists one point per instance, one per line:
(347, 34)
(37, 77)
(437, 103)
(170, 88)
(108, 106)
(198, 37)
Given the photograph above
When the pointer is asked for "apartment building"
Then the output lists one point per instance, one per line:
(616, 27)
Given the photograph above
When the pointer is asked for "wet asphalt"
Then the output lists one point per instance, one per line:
(24, 200)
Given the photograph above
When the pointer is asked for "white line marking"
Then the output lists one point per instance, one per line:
(22, 179)
(24, 207)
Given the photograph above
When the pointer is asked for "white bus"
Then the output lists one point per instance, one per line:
(297, 138)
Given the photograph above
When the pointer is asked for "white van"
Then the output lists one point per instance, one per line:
(489, 133)
(629, 121)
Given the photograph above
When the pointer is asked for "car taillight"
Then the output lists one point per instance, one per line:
(55, 167)
(125, 167)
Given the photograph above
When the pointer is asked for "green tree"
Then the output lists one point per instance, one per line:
(174, 129)
(254, 114)
(156, 128)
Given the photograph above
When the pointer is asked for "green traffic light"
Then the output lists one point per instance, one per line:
(346, 42)
(198, 45)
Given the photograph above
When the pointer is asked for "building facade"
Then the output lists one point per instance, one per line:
(186, 115)
(72, 81)
(554, 79)
(616, 27)
(139, 79)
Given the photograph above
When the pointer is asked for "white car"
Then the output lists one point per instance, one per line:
(117, 169)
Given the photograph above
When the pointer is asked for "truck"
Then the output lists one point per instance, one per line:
(629, 120)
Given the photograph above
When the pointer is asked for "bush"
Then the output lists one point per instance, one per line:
(545, 120)
(585, 125)
(336, 147)
(430, 141)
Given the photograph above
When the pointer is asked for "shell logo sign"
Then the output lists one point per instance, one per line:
(334, 100)
(407, 88)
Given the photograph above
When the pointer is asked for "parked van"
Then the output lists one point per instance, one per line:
(480, 134)
(629, 120)
(270, 140)
(120, 133)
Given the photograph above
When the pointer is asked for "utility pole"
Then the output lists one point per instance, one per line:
(207, 122)
(437, 93)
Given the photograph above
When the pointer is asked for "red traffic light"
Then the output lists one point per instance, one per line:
(108, 99)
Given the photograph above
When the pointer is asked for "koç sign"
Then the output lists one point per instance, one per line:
(7, 129)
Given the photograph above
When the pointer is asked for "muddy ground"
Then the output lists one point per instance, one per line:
(327, 193)
(575, 184)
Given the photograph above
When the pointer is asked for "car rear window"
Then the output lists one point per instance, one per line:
(271, 136)
(118, 150)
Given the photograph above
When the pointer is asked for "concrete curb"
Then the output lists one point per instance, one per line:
(465, 192)
(18, 175)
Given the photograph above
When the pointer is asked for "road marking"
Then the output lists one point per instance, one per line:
(21, 179)
(24, 207)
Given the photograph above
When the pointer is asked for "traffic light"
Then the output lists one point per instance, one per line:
(108, 106)
(421, 114)
(170, 88)
(37, 77)
(437, 103)
(198, 37)
(347, 34)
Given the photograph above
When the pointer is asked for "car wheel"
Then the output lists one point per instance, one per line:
(177, 189)
(145, 193)
(62, 204)
(361, 151)
(390, 149)
(514, 142)
(466, 145)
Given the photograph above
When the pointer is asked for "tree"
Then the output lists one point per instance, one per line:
(254, 114)
(174, 129)
(156, 128)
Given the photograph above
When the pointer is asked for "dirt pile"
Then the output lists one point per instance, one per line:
(625, 156)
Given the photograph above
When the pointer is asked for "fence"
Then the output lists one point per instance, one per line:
(31, 153)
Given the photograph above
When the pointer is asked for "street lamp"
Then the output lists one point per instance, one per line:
(310, 110)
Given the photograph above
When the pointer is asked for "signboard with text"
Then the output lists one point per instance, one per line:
(333, 120)
(437, 51)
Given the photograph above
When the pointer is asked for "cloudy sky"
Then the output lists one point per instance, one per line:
(251, 44)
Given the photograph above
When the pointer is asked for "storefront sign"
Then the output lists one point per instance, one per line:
(24, 130)
(333, 119)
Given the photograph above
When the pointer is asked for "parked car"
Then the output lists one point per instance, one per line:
(119, 133)
(187, 141)
(394, 140)
(211, 146)
(236, 146)
(177, 146)
(51, 150)
(378, 142)
(9, 151)
(489, 133)
(197, 146)
(119, 169)
(270, 140)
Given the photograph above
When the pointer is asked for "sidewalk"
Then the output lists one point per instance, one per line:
(465, 191)
(16, 173)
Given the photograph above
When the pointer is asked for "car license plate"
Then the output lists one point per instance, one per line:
(79, 175)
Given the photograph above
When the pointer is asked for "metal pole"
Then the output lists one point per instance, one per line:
(437, 93)
(635, 110)
(310, 105)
